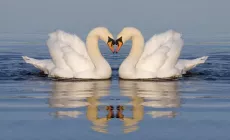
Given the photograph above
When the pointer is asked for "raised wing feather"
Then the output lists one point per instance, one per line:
(68, 52)
(161, 52)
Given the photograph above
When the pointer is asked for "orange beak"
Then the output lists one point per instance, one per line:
(110, 44)
(119, 45)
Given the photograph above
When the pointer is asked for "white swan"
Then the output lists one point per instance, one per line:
(84, 99)
(152, 95)
(157, 58)
(71, 59)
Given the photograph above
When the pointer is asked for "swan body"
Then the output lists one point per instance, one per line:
(71, 58)
(157, 58)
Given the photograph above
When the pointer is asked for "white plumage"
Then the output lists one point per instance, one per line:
(157, 58)
(70, 57)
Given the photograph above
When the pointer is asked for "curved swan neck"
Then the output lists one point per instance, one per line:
(92, 44)
(101, 65)
(137, 45)
(128, 66)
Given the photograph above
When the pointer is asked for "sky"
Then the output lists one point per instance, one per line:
(80, 16)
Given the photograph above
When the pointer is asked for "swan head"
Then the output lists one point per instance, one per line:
(126, 34)
(105, 35)
(110, 44)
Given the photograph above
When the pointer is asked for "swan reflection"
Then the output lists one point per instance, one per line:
(148, 94)
(82, 94)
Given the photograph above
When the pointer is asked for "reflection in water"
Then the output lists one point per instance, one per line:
(148, 94)
(81, 94)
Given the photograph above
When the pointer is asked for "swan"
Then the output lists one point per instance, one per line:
(157, 58)
(157, 99)
(83, 98)
(162, 95)
(71, 59)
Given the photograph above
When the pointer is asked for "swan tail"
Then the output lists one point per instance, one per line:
(40, 64)
(29, 60)
(190, 64)
(201, 60)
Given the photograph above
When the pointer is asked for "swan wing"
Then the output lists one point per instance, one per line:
(68, 52)
(161, 52)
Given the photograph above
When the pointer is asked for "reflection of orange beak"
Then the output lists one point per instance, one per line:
(109, 107)
(110, 112)
(110, 44)
(119, 45)
(120, 112)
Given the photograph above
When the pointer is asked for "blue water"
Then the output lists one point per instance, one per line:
(35, 107)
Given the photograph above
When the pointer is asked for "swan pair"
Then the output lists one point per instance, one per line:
(157, 58)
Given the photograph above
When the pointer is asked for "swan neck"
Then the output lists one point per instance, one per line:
(102, 67)
(137, 47)
(92, 47)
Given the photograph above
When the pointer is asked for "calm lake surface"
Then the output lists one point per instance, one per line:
(35, 107)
